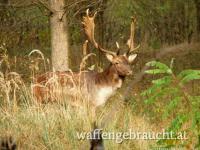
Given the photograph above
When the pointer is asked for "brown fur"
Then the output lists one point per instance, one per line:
(88, 81)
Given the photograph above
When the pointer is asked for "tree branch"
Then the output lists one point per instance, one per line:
(46, 6)
(33, 3)
(5, 6)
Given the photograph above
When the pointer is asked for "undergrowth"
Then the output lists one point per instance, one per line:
(168, 104)
(170, 99)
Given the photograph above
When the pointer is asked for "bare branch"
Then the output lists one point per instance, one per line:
(4, 6)
(32, 3)
(73, 4)
(45, 5)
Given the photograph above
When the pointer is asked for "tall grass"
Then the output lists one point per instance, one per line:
(55, 125)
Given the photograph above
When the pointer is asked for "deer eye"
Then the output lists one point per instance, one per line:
(116, 63)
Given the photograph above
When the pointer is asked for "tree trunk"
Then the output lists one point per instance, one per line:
(197, 3)
(59, 37)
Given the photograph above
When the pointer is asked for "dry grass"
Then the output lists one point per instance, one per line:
(54, 125)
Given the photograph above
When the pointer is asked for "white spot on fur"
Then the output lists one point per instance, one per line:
(119, 84)
(103, 94)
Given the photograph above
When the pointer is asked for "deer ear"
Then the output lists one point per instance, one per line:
(131, 58)
(110, 57)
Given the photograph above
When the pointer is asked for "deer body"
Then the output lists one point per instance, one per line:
(98, 87)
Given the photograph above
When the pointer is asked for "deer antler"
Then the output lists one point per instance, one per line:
(130, 41)
(118, 48)
(89, 27)
(85, 44)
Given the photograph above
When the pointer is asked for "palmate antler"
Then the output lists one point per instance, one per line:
(130, 41)
(89, 27)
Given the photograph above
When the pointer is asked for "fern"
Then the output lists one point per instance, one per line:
(188, 75)
(163, 81)
(172, 105)
(160, 68)
(172, 98)
(177, 123)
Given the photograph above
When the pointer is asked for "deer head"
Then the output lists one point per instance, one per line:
(121, 62)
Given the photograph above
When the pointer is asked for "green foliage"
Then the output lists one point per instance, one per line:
(171, 106)
(169, 93)
(161, 68)
(177, 123)
(188, 75)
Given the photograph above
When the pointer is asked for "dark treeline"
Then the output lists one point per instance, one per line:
(24, 25)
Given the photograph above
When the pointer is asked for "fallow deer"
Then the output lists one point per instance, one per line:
(96, 86)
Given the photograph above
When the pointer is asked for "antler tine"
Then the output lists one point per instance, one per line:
(130, 41)
(118, 48)
(85, 44)
(89, 27)
(117, 44)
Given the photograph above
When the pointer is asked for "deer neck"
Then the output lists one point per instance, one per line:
(109, 78)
